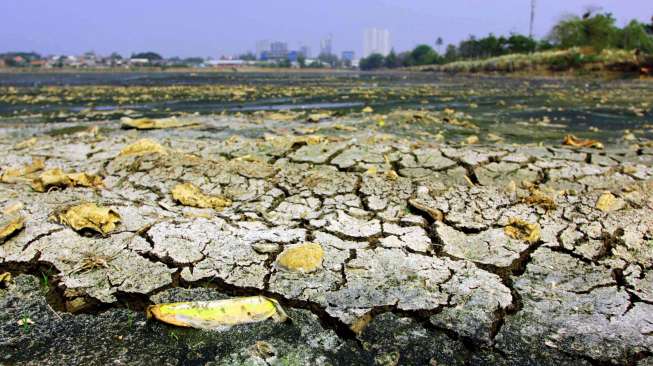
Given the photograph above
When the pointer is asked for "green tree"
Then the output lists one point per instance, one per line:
(424, 55)
(372, 62)
(152, 56)
(249, 56)
(451, 54)
(518, 43)
(391, 60)
(598, 31)
(301, 60)
(634, 36)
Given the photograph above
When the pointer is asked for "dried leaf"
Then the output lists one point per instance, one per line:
(10, 225)
(472, 140)
(537, 197)
(218, 314)
(571, 140)
(522, 230)
(433, 212)
(317, 117)
(90, 216)
(143, 147)
(151, 124)
(303, 258)
(57, 178)
(5, 277)
(12, 208)
(607, 202)
(26, 143)
(189, 195)
(14, 175)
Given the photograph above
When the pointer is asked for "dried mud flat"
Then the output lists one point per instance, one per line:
(431, 253)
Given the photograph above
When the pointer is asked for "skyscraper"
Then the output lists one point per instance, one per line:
(305, 51)
(261, 47)
(376, 41)
(278, 50)
(326, 46)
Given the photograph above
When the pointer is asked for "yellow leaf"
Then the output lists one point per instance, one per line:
(143, 147)
(522, 230)
(573, 141)
(57, 178)
(90, 216)
(14, 175)
(189, 195)
(26, 143)
(5, 277)
(218, 314)
(304, 258)
(607, 202)
(150, 124)
(10, 225)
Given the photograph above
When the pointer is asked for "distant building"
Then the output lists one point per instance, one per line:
(262, 46)
(376, 41)
(326, 46)
(278, 50)
(347, 56)
(305, 51)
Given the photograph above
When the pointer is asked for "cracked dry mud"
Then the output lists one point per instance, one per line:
(415, 266)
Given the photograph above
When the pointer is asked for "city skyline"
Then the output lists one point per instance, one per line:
(210, 29)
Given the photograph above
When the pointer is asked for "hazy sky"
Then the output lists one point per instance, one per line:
(215, 27)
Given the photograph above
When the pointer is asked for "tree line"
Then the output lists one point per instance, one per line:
(598, 31)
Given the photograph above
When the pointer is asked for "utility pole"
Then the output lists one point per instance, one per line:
(530, 32)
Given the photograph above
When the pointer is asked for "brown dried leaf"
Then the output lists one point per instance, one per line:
(57, 178)
(90, 216)
(571, 140)
(189, 195)
(522, 230)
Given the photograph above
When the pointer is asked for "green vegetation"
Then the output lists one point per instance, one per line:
(573, 42)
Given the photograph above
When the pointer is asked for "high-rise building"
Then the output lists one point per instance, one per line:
(278, 50)
(262, 47)
(326, 46)
(376, 41)
(305, 51)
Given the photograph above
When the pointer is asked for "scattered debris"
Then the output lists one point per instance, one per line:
(522, 230)
(218, 314)
(472, 140)
(317, 117)
(189, 195)
(89, 216)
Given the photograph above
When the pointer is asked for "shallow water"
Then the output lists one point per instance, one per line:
(517, 108)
